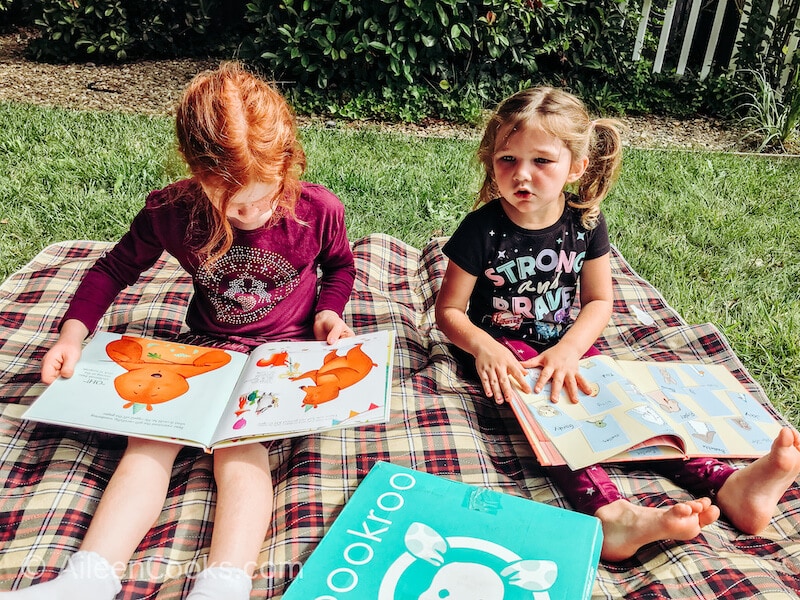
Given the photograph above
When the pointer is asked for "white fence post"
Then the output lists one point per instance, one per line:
(714, 40)
(689, 37)
(664, 38)
(746, 10)
(773, 14)
(791, 48)
(640, 33)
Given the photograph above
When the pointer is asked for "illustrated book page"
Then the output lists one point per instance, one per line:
(641, 410)
(306, 387)
(205, 397)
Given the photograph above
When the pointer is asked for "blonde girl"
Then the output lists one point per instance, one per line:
(536, 241)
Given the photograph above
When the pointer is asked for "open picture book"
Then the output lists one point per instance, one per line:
(640, 410)
(211, 398)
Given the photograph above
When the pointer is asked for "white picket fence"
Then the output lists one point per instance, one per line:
(691, 37)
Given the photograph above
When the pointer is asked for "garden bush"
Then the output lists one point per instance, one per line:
(450, 54)
(119, 30)
(412, 59)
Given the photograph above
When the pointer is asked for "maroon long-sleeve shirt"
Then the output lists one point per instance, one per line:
(266, 286)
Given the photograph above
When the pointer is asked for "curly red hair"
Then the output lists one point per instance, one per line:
(234, 128)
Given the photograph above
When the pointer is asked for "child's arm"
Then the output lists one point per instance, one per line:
(559, 364)
(338, 270)
(494, 363)
(60, 360)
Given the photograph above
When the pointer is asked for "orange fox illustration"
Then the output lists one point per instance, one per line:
(335, 374)
(157, 371)
(279, 359)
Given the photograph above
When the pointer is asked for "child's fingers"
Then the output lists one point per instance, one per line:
(544, 376)
(583, 385)
(496, 385)
(514, 374)
(571, 386)
(55, 366)
(556, 380)
(491, 386)
(49, 372)
(556, 384)
(520, 376)
(338, 331)
(67, 368)
(486, 383)
(506, 389)
(531, 363)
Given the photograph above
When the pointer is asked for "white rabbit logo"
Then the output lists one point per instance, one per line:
(467, 580)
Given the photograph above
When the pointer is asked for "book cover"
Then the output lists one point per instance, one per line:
(406, 534)
(208, 397)
(640, 410)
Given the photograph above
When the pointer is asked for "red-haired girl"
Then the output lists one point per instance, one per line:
(252, 236)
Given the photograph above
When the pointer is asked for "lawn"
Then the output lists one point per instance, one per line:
(717, 234)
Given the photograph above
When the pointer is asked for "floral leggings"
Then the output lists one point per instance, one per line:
(590, 488)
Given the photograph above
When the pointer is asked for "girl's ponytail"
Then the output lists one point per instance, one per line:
(605, 158)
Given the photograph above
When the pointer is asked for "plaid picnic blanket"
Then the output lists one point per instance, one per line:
(440, 423)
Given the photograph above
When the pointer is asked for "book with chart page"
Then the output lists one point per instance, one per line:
(408, 534)
(640, 410)
(211, 398)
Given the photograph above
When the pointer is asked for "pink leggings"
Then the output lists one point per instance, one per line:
(590, 488)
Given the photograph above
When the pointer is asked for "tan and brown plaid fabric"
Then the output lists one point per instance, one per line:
(440, 423)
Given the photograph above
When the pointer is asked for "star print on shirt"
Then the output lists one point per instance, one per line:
(501, 254)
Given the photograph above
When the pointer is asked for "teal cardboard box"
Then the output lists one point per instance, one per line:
(406, 535)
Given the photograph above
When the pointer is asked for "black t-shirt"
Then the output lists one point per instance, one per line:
(527, 279)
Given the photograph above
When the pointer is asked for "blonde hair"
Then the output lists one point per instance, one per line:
(234, 128)
(563, 116)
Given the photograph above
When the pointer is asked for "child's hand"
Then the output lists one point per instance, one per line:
(330, 327)
(60, 360)
(560, 367)
(497, 366)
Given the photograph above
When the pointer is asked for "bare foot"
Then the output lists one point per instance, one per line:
(750, 496)
(627, 527)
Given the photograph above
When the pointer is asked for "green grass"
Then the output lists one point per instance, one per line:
(717, 234)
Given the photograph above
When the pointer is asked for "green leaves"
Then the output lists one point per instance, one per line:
(771, 115)
(445, 47)
(115, 30)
